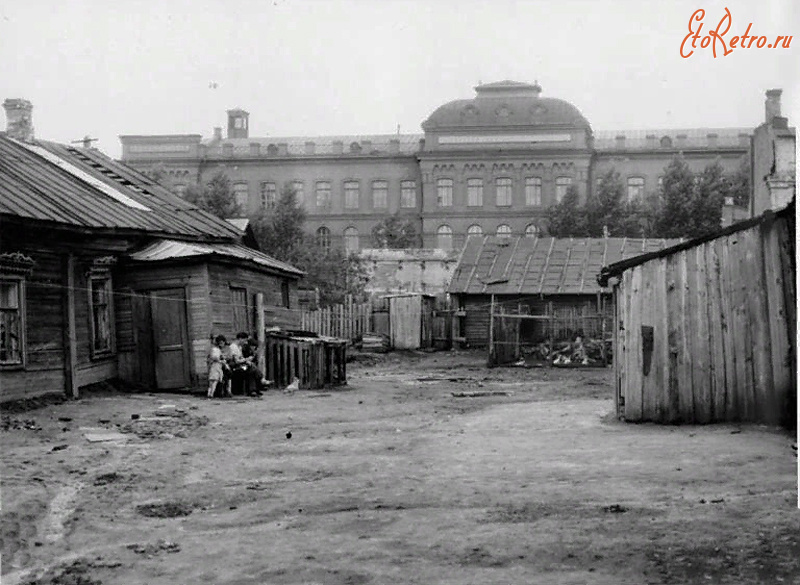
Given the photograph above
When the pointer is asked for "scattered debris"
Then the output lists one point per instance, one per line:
(64, 419)
(102, 436)
(74, 573)
(615, 509)
(106, 478)
(153, 549)
(289, 435)
(165, 510)
(736, 432)
(13, 424)
(481, 393)
(373, 342)
(59, 447)
(134, 417)
(718, 501)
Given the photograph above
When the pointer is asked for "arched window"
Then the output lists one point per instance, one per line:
(351, 239)
(504, 231)
(531, 231)
(324, 237)
(444, 237)
(475, 230)
(666, 142)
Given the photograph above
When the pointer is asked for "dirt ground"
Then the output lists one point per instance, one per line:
(393, 479)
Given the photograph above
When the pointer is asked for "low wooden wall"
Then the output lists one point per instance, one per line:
(706, 334)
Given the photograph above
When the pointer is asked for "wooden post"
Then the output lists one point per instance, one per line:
(70, 335)
(491, 332)
(261, 333)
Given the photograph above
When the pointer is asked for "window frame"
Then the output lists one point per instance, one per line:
(638, 187)
(245, 206)
(247, 307)
(444, 230)
(299, 193)
(347, 234)
(534, 233)
(475, 192)
(566, 184)
(323, 232)
(384, 189)
(348, 190)
(507, 189)
(533, 191)
(473, 232)
(105, 276)
(319, 190)
(504, 234)
(442, 187)
(405, 190)
(19, 280)
(265, 203)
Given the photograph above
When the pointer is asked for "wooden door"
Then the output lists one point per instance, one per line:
(143, 331)
(170, 339)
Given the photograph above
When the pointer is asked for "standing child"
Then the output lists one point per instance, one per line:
(216, 365)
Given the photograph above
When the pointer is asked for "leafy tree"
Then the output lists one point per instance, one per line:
(281, 233)
(159, 174)
(395, 233)
(216, 197)
(607, 208)
(280, 230)
(740, 184)
(567, 218)
(708, 196)
(676, 206)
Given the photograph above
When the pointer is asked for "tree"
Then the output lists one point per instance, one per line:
(395, 233)
(675, 210)
(607, 208)
(566, 218)
(281, 234)
(708, 196)
(740, 184)
(215, 197)
(159, 174)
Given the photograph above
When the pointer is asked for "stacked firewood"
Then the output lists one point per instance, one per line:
(372, 342)
(585, 352)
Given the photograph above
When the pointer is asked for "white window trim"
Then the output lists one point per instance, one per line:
(23, 319)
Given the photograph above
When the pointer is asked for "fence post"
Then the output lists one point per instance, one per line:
(491, 332)
(261, 332)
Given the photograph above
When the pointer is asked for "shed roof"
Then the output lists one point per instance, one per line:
(617, 268)
(83, 188)
(164, 250)
(524, 265)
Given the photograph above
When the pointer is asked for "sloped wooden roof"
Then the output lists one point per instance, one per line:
(524, 265)
(82, 188)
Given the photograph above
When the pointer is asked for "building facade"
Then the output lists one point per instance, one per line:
(491, 164)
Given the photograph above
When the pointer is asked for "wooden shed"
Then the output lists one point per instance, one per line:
(411, 320)
(705, 330)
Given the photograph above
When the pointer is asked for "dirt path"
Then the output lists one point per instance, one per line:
(394, 480)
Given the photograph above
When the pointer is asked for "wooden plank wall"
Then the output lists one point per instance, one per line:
(723, 321)
(405, 321)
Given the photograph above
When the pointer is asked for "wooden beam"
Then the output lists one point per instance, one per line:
(70, 335)
(261, 333)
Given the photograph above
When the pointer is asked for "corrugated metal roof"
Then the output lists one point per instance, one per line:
(523, 265)
(171, 249)
(89, 190)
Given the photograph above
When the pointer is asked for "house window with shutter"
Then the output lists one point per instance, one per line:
(100, 314)
(12, 321)
(240, 309)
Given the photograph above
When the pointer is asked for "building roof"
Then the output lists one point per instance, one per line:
(408, 144)
(503, 104)
(678, 138)
(615, 269)
(523, 265)
(80, 187)
(164, 250)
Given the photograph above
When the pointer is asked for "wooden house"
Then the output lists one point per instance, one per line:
(553, 277)
(705, 330)
(104, 274)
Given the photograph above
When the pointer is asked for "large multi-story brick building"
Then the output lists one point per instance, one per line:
(490, 164)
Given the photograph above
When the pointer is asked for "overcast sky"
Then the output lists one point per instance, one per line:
(106, 68)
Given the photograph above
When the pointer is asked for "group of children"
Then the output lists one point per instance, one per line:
(238, 357)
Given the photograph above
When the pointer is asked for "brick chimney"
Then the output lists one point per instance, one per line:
(19, 119)
(772, 106)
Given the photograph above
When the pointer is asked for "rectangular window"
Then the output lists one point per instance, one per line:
(504, 191)
(351, 194)
(240, 309)
(380, 194)
(635, 188)
(285, 293)
(323, 194)
(444, 192)
(11, 322)
(241, 193)
(408, 194)
(475, 192)
(533, 191)
(562, 185)
(299, 192)
(100, 315)
(269, 195)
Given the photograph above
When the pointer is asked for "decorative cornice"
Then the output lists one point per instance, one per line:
(16, 263)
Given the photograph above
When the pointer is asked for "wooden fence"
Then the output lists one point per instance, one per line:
(345, 321)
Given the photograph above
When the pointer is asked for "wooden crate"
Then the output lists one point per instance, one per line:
(316, 361)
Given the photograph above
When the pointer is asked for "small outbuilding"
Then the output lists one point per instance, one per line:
(411, 320)
(705, 330)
